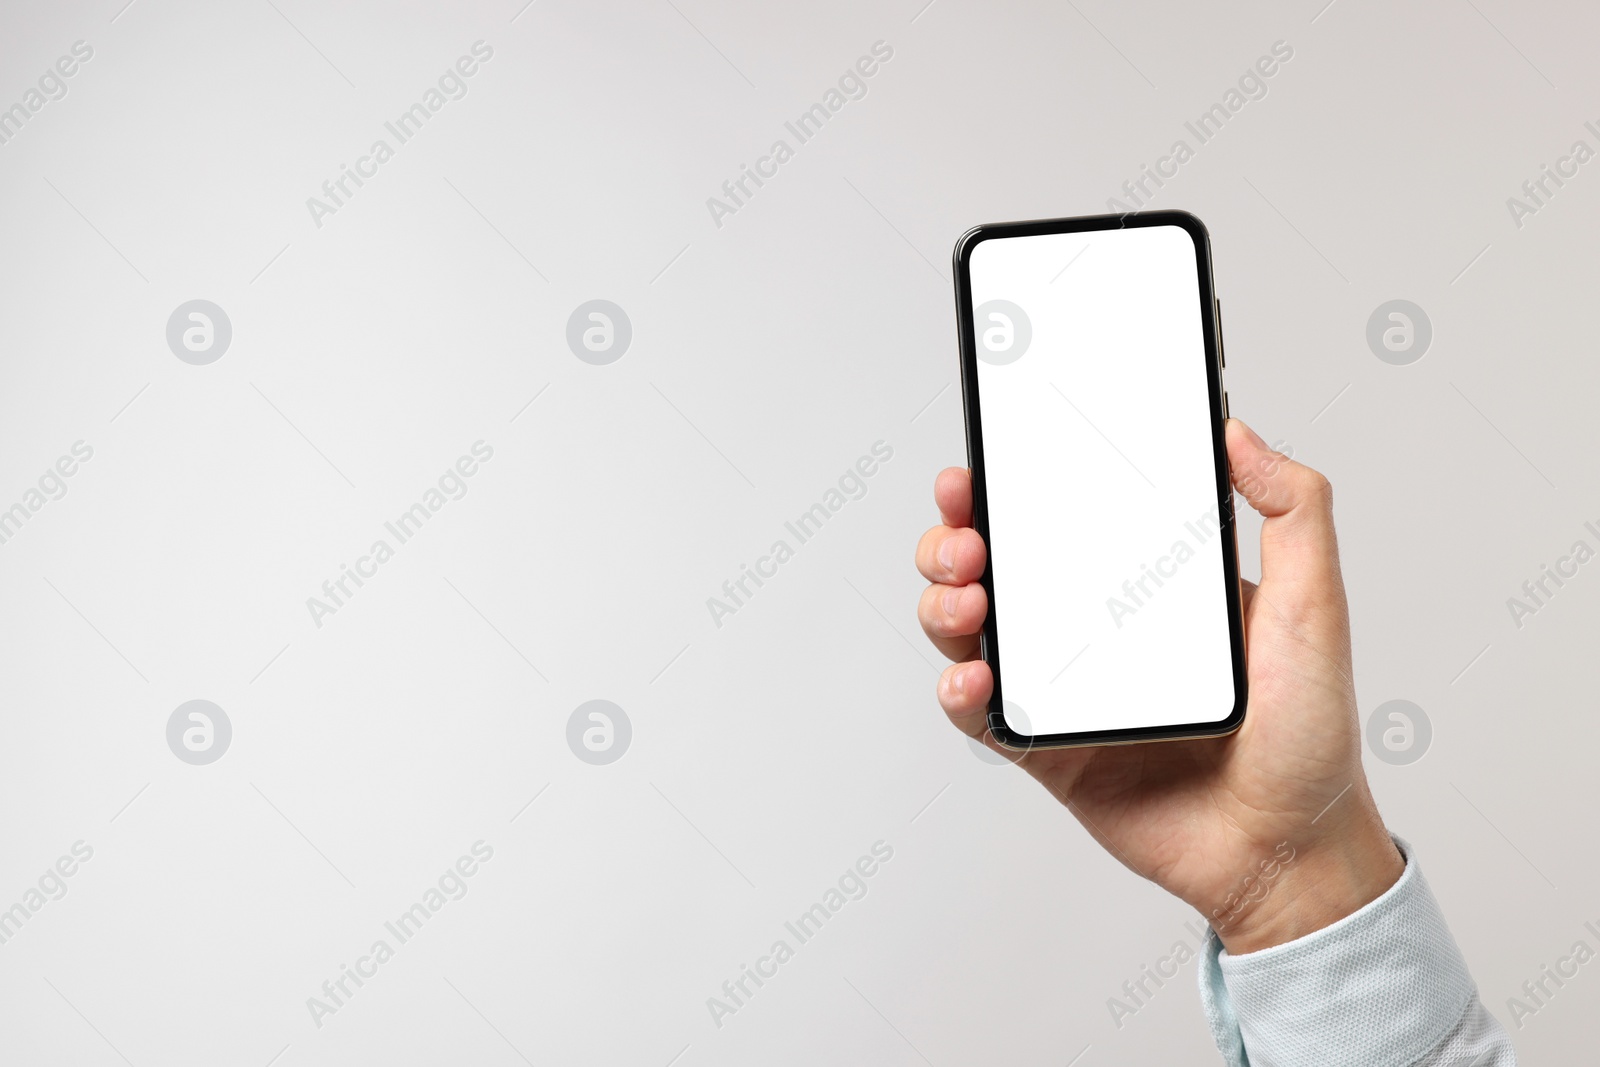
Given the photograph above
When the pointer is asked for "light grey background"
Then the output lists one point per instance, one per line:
(767, 356)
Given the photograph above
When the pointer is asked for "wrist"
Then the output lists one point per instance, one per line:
(1312, 885)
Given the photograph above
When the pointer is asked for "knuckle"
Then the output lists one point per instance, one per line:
(1309, 485)
(1319, 488)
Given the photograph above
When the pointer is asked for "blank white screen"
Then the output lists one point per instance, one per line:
(1097, 447)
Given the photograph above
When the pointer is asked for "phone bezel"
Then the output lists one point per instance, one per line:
(1228, 539)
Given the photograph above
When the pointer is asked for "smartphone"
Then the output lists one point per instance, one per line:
(1091, 371)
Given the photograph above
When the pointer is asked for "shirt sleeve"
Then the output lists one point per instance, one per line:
(1383, 987)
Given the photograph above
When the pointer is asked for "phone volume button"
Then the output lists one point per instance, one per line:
(1222, 348)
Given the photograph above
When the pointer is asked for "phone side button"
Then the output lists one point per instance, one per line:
(1222, 347)
(1225, 404)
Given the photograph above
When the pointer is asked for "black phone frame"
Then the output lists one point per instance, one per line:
(1228, 534)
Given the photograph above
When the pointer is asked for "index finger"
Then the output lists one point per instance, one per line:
(952, 491)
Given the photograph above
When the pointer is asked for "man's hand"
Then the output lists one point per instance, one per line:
(1212, 821)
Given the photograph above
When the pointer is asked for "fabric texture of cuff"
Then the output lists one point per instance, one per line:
(1378, 988)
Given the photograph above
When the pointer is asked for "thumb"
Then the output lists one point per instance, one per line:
(1299, 551)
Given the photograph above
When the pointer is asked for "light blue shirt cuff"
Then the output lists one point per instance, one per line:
(1379, 988)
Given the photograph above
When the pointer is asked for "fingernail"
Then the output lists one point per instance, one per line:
(951, 598)
(947, 554)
